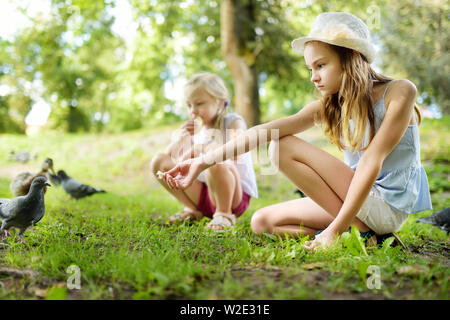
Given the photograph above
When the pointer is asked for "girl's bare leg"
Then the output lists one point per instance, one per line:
(224, 186)
(297, 217)
(322, 177)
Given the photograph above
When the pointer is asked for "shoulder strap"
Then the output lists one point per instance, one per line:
(231, 117)
(387, 87)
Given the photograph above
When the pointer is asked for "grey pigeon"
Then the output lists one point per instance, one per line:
(75, 188)
(24, 211)
(22, 156)
(440, 219)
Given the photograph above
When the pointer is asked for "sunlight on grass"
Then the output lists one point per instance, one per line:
(124, 249)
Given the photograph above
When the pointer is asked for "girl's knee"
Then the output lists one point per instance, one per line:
(274, 152)
(158, 162)
(219, 171)
(287, 142)
(260, 223)
(277, 147)
(281, 151)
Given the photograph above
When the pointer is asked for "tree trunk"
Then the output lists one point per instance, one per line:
(240, 60)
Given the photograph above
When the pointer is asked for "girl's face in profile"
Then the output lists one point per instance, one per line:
(203, 105)
(325, 67)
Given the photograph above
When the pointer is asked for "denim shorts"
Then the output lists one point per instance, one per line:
(380, 216)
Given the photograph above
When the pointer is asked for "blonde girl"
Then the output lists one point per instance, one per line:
(223, 191)
(371, 117)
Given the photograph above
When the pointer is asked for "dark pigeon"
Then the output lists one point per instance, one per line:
(75, 188)
(24, 211)
(440, 219)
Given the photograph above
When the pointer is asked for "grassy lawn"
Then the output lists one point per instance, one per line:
(125, 250)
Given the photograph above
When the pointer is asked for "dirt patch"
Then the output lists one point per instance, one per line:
(30, 284)
(10, 172)
(432, 252)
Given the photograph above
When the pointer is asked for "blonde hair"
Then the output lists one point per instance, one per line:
(352, 101)
(216, 87)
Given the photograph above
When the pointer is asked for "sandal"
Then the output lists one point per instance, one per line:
(397, 241)
(222, 221)
(186, 214)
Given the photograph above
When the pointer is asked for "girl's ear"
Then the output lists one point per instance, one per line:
(221, 103)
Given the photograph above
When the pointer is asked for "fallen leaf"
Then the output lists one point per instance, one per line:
(41, 293)
(314, 265)
(213, 296)
(413, 270)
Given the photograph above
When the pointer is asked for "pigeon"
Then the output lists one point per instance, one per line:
(75, 188)
(21, 183)
(51, 175)
(440, 219)
(22, 156)
(24, 211)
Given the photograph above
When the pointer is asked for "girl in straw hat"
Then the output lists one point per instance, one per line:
(373, 118)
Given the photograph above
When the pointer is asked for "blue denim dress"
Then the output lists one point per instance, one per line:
(402, 181)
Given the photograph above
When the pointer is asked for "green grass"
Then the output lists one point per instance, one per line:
(124, 249)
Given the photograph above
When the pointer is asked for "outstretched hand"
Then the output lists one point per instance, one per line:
(184, 174)
(322, 240)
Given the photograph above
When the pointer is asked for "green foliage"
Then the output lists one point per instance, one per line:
(57, 293)
(425, 57)
(96, 81)
(126, 251)
(353, 242)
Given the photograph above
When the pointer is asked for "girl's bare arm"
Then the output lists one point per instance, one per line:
(263, 133)
(400, 106)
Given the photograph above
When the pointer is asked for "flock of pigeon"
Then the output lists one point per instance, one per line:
(28, 207)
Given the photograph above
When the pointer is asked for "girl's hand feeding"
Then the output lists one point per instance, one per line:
(184, 174)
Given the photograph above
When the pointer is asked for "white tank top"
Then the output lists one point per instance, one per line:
(243, 163)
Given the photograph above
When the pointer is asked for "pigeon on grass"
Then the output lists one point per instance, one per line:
(75, 188)
(440, 219)
(22, 156)
(23, 211)
(22, 182)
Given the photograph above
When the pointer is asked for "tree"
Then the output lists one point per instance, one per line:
(237, 20)
(415, 38)
(72, 55)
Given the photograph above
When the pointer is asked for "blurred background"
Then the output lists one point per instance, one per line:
(112, 66)
(97, 87)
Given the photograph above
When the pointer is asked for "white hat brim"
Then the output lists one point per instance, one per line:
(362, 46)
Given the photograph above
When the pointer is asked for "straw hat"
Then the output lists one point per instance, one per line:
(341, 29)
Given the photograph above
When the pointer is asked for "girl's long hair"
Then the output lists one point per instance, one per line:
(216, 87)
(346, 113)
